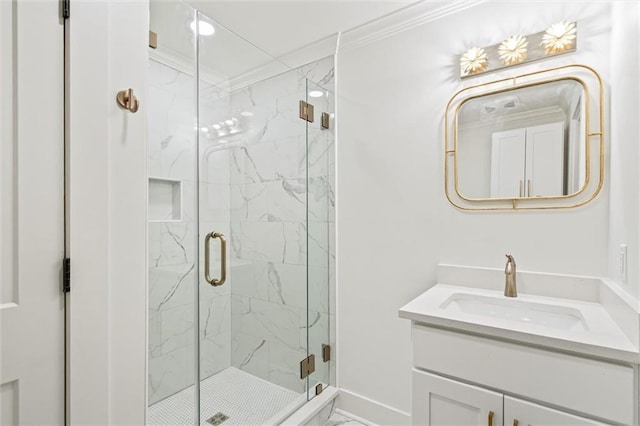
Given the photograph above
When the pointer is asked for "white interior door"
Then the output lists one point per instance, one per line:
(31, 213)
(545, 160)
(507, 163)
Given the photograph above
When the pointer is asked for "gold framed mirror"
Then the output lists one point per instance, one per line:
(532, 141)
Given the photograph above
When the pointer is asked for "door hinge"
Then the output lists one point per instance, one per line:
(326, 353)
(324, 120)
(307, 366)
(153, 40)
(306, 111)
(66, 9)
(319, 388)
(66, 275)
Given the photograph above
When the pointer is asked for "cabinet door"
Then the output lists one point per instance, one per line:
(438, 401)
(507, 163)
(522, 413)
(545, 160)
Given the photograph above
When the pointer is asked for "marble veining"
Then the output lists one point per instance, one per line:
(175, 287)
(341, 420)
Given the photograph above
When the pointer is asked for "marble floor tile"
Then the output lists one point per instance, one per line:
(340, 420)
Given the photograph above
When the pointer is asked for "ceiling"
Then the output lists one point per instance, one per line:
(280, 27)
(559, 96)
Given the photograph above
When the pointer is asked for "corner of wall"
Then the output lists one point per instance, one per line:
(624, 128)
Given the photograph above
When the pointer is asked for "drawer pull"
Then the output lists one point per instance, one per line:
(490, 419)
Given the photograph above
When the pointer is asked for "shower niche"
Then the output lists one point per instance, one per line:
(229, 155)
(165, 200)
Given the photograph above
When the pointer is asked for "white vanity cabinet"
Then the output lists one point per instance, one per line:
(468, 379)
(524, 413)
(439, 401)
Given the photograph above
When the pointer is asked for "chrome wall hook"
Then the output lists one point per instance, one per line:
(127, 100)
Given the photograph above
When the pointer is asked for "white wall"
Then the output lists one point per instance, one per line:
(106, 195)
(395, 224)
(625, 131)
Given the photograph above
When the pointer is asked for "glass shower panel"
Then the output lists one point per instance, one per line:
(253, 192)
(172, 216)
(320, 218)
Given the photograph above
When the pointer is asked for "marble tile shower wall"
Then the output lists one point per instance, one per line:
(215, 215)
(171, 142)
(172, 244)
(269, 230)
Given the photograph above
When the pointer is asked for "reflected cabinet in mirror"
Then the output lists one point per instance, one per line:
(533, 141)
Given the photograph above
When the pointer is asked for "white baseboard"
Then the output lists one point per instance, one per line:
(368, 411)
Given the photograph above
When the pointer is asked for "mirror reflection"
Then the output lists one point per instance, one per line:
(524, 142)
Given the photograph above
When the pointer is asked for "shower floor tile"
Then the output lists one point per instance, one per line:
(242, 397)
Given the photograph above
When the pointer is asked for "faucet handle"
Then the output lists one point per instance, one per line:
(510, 259)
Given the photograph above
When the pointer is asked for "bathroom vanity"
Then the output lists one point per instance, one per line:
(561, 353)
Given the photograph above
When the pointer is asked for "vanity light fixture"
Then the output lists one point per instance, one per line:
(473, 61)
(559, 37)
(513, 50)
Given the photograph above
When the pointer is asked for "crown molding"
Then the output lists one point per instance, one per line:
(310, 53)
(186, 66)
(402, 20)
(546, 113)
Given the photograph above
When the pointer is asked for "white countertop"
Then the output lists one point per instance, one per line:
(602, 337)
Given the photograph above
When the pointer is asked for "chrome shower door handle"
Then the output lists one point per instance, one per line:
(223, 259)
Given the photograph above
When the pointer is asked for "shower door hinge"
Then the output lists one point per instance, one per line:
(326, 353)
(307, 366)
(66, 9)
(66, 275)
(306, 111)
(324, 120)
(153, 40)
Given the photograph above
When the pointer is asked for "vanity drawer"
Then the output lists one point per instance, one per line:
(585, 385)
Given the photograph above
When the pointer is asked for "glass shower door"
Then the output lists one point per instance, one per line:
(320, 217)
(253, 208)
(239, 225)
(172, 217)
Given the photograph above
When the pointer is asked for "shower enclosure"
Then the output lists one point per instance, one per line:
(239, 227)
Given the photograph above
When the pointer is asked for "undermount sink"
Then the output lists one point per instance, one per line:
(511, 309)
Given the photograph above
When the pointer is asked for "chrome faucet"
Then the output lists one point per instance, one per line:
(510, 277)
